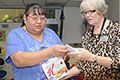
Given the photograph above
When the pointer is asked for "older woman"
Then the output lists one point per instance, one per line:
(101, 44)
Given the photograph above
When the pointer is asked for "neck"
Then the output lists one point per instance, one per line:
(99, 23)
(36, 36)
(98, 26)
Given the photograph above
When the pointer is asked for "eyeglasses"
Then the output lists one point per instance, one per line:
(37, 18)
(90, 12)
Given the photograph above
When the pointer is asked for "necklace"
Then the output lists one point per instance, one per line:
(36, 37)
(101, 28)
(25, 29)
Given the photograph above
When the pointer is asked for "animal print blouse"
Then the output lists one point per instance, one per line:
(109, 46)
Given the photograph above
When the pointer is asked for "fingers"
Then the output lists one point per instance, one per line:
(60, 50)
(71, 53)
(63, 47)
(81, 49)
(74, 54)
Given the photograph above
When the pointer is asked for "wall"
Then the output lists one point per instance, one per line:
(72, 31)
(119, 11)
(113, 10)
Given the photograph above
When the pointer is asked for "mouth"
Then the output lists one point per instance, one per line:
(89, 20)
(39, 26)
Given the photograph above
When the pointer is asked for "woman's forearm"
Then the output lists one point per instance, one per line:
(105, 61)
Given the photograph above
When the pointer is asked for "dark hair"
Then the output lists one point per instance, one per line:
(33, 7)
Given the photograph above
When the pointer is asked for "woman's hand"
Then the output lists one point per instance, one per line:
(59, 50)
(72, 72)
(82, 55)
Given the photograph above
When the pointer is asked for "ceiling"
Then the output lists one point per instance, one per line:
(9, 4)
(45, 3)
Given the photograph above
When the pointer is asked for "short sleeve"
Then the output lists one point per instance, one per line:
(14, 44)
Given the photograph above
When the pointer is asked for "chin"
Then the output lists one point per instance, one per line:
(90, 23)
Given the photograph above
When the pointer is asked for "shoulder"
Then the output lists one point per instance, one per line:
(115, 26)
(14, 35)
(49, 31)
(15, 31)
(114, 29)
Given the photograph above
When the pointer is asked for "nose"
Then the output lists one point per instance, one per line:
(39, 20)
(87, 15)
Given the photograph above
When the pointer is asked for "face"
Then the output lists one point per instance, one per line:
(35, 23)
(92, 16)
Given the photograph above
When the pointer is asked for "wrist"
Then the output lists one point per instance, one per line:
(91, 59)
(95, 59)
(51, 51)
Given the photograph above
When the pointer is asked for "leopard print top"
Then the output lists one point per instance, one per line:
(109, 48)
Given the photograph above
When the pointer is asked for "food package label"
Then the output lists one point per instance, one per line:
(55, 68)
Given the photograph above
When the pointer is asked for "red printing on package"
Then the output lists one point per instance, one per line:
(50, 71)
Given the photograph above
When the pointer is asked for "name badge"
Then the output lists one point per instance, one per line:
(103, 38)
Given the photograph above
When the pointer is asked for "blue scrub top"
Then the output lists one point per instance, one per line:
(19, 40)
